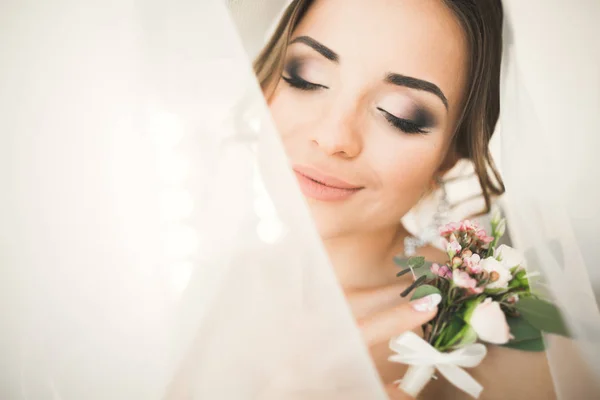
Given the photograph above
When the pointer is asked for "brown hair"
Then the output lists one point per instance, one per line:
(482, 23)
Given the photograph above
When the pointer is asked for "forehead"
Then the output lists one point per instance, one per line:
(418, 38)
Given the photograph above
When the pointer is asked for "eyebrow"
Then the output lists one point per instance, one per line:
(395, 79)
(318, 47)
(418, 84)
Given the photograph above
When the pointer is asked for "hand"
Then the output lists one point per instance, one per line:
(381, 314)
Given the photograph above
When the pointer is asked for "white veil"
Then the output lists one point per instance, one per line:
(152, 241)
(549, 127)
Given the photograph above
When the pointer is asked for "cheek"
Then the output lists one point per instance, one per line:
(283, 115)
(406, 170)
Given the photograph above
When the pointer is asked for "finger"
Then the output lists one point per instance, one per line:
(394, 393)
(369, 301)
(384, 325)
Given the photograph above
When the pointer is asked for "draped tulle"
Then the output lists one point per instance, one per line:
(153, 243)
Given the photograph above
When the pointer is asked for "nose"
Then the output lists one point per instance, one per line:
(338, 134)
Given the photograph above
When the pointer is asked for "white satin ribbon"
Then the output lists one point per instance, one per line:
(415, 351)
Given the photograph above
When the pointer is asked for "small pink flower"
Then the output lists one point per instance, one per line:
(449, 228)
(453, 248)
(468, 225)
(446, 272)
(472, 263)
(463, 279)
(442, 271)
(483, 236)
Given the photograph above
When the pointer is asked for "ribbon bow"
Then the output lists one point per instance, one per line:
(413, 350)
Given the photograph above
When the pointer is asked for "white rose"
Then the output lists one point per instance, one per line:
(499, 273)
(489, 322)
(510, 257)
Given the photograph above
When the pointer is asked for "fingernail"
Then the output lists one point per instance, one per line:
(427, 303)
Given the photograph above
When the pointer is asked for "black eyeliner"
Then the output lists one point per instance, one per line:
(405, 125)
(292, 68)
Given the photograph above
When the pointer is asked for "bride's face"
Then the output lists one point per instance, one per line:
(367, 105)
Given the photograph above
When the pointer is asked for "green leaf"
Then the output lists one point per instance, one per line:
(416, 262)
(513, 270)
(449, 333)
(424, 290)
(469, 336)
(412, 286)
(401, 261)
(521, 274)
(425, 272)
(403, 272)
(542, 315)
(494, 291)
(514, 284)
(527, 345)
(522, 330)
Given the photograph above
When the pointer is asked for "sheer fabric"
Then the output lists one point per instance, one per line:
(154, 244)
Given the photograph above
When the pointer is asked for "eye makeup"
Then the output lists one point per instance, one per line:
(292, 75)
(407, 125)
(407, 116)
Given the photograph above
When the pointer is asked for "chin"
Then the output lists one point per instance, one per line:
(330, 221)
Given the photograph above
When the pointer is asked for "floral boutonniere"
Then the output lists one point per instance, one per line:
(486, 296)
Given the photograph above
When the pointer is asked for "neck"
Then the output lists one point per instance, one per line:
(363, 260)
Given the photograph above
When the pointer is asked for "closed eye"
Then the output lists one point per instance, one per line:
(405, 125)
(296, 82)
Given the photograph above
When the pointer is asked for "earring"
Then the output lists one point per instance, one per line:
(431, 233)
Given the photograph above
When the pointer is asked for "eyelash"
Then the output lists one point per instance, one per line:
(399, 123)
(404, 125)
(299, 83)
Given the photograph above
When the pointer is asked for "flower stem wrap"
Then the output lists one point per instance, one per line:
(424, 359)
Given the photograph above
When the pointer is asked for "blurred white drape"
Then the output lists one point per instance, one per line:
(153, 242)
(550, 125)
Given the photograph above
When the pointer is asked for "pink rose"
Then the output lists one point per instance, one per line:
(489, 322)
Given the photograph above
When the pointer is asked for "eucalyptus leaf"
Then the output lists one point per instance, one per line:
(522, 330)
(424, 290)
(416, 262)
(401, 261)
(542, 315)
(412, 286)
(425, 271)
(527, 345)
